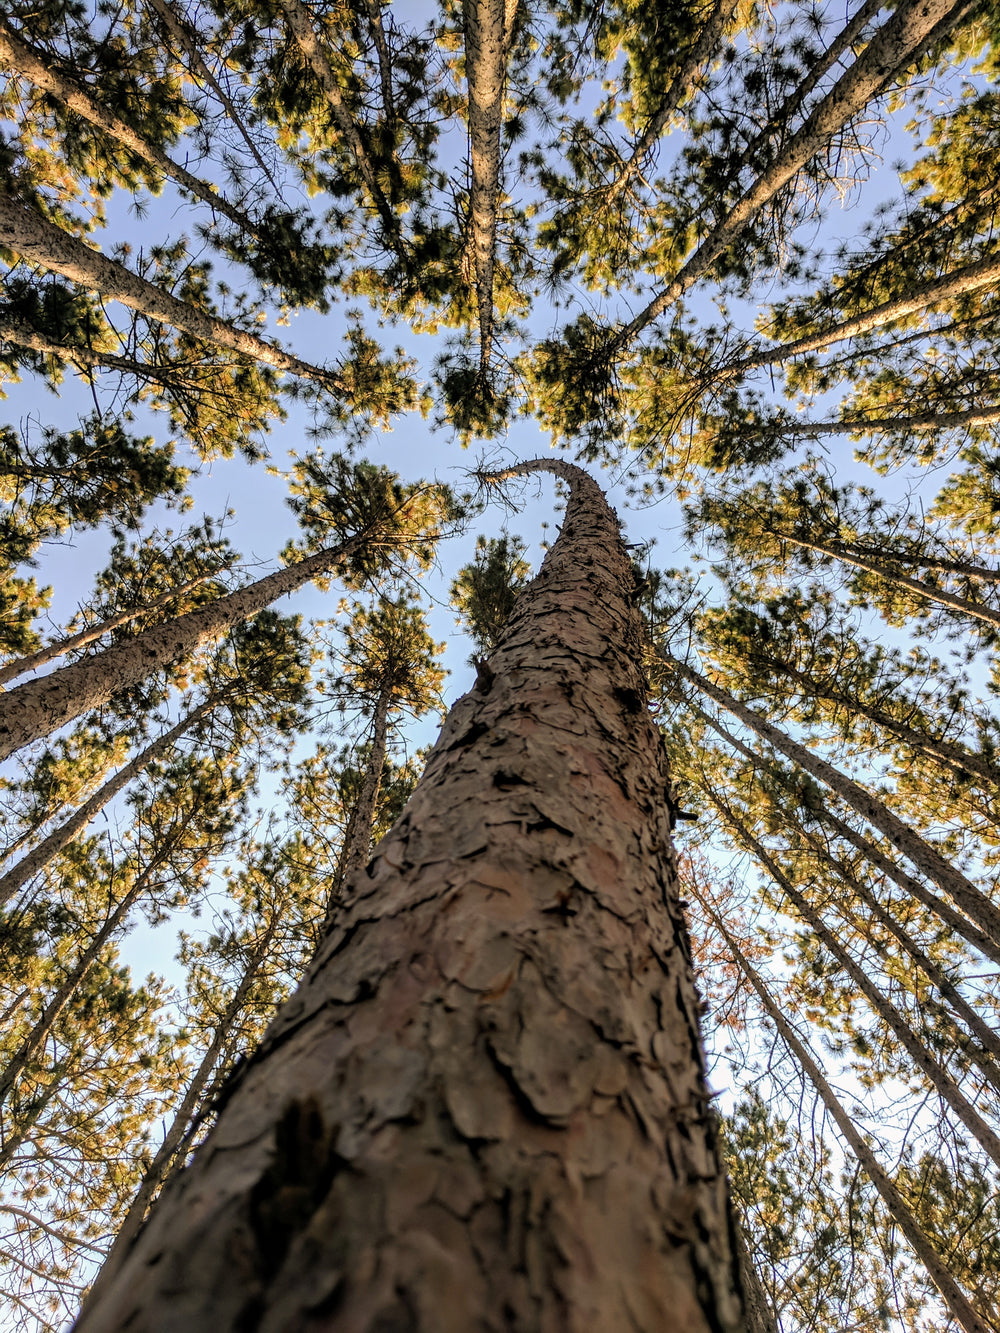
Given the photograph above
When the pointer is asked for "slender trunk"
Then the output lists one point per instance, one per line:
(486, 1101)
(39, 857)
(935, 1074)
(300, 22)
(981, 276)
(358, 834)
(38, 707)
(951, 1293)
(29, 62)
(986, 416)
(912, 28)
(86, 358)
(954, 920)
(172, 1140)
(375, 27)
(60, 647)
(25, 1120)
(178, 31)
(957, 758)
(932, 594)
(42, 242)
(488, 28)
(699, 55)
(72, 982)
(928, 861)
(988, 1037)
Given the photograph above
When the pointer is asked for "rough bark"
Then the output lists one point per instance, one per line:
(36, 708)
(981, 276)
(927, 860)
(915, 25)
(988, 1037)
(485, 1107)
(951, 1293)
(39, 856)
(42, 242)
(60, 647)
(936, 1075)
(488, 25)
(28, 61)
(986, 416)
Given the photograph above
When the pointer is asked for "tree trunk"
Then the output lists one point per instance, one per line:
(934, 1073)
(60, 647)
(28, 61)
(928, 861)
(358, 833)
(87, 358)
(951, 1293)
(39, 856)
(986, 416)
(488, 25)
(42, 242)
(172, 1140)
(987, 1036)
(976, 610)
(38, 707)
(981, 276)
(914, 26)
(485, 1106)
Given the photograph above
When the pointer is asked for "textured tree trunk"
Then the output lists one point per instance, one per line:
(952, 1295)
(928, 861)
(60, 647)
(975, 278)
(935, 1074)
(39, 856)
(914, 25)
(19, 55)
(985, 416)
(38, 707)
(485, 1107)
(42, 242)
(488, 25)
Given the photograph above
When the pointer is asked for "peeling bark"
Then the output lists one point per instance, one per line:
(485, 1107)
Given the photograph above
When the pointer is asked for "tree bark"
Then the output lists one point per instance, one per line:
(928, 861)
(42, 242)
(60, 647)
(914, 26)
(951, 1293)
(986, 416)
(35, 709)
(31, 63)
(39, 856)
(485, 1107)
(358, 833)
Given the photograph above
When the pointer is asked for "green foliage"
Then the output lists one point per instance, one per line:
(485, 591)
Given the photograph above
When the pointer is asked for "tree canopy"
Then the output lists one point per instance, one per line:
(742, 263)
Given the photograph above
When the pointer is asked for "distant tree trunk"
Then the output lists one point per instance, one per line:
(40, 856)
(33, 237)
(32, 64)
(485, 1106)
(926, 858)
(952, 1295)
(60, 647)
(858, 425)
(38, 707)
(982, 276)
(936, 1075)
(358, 833)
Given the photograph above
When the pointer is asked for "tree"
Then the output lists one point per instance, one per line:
(515, 921)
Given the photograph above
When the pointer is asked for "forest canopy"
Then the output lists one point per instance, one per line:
(268, 267)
